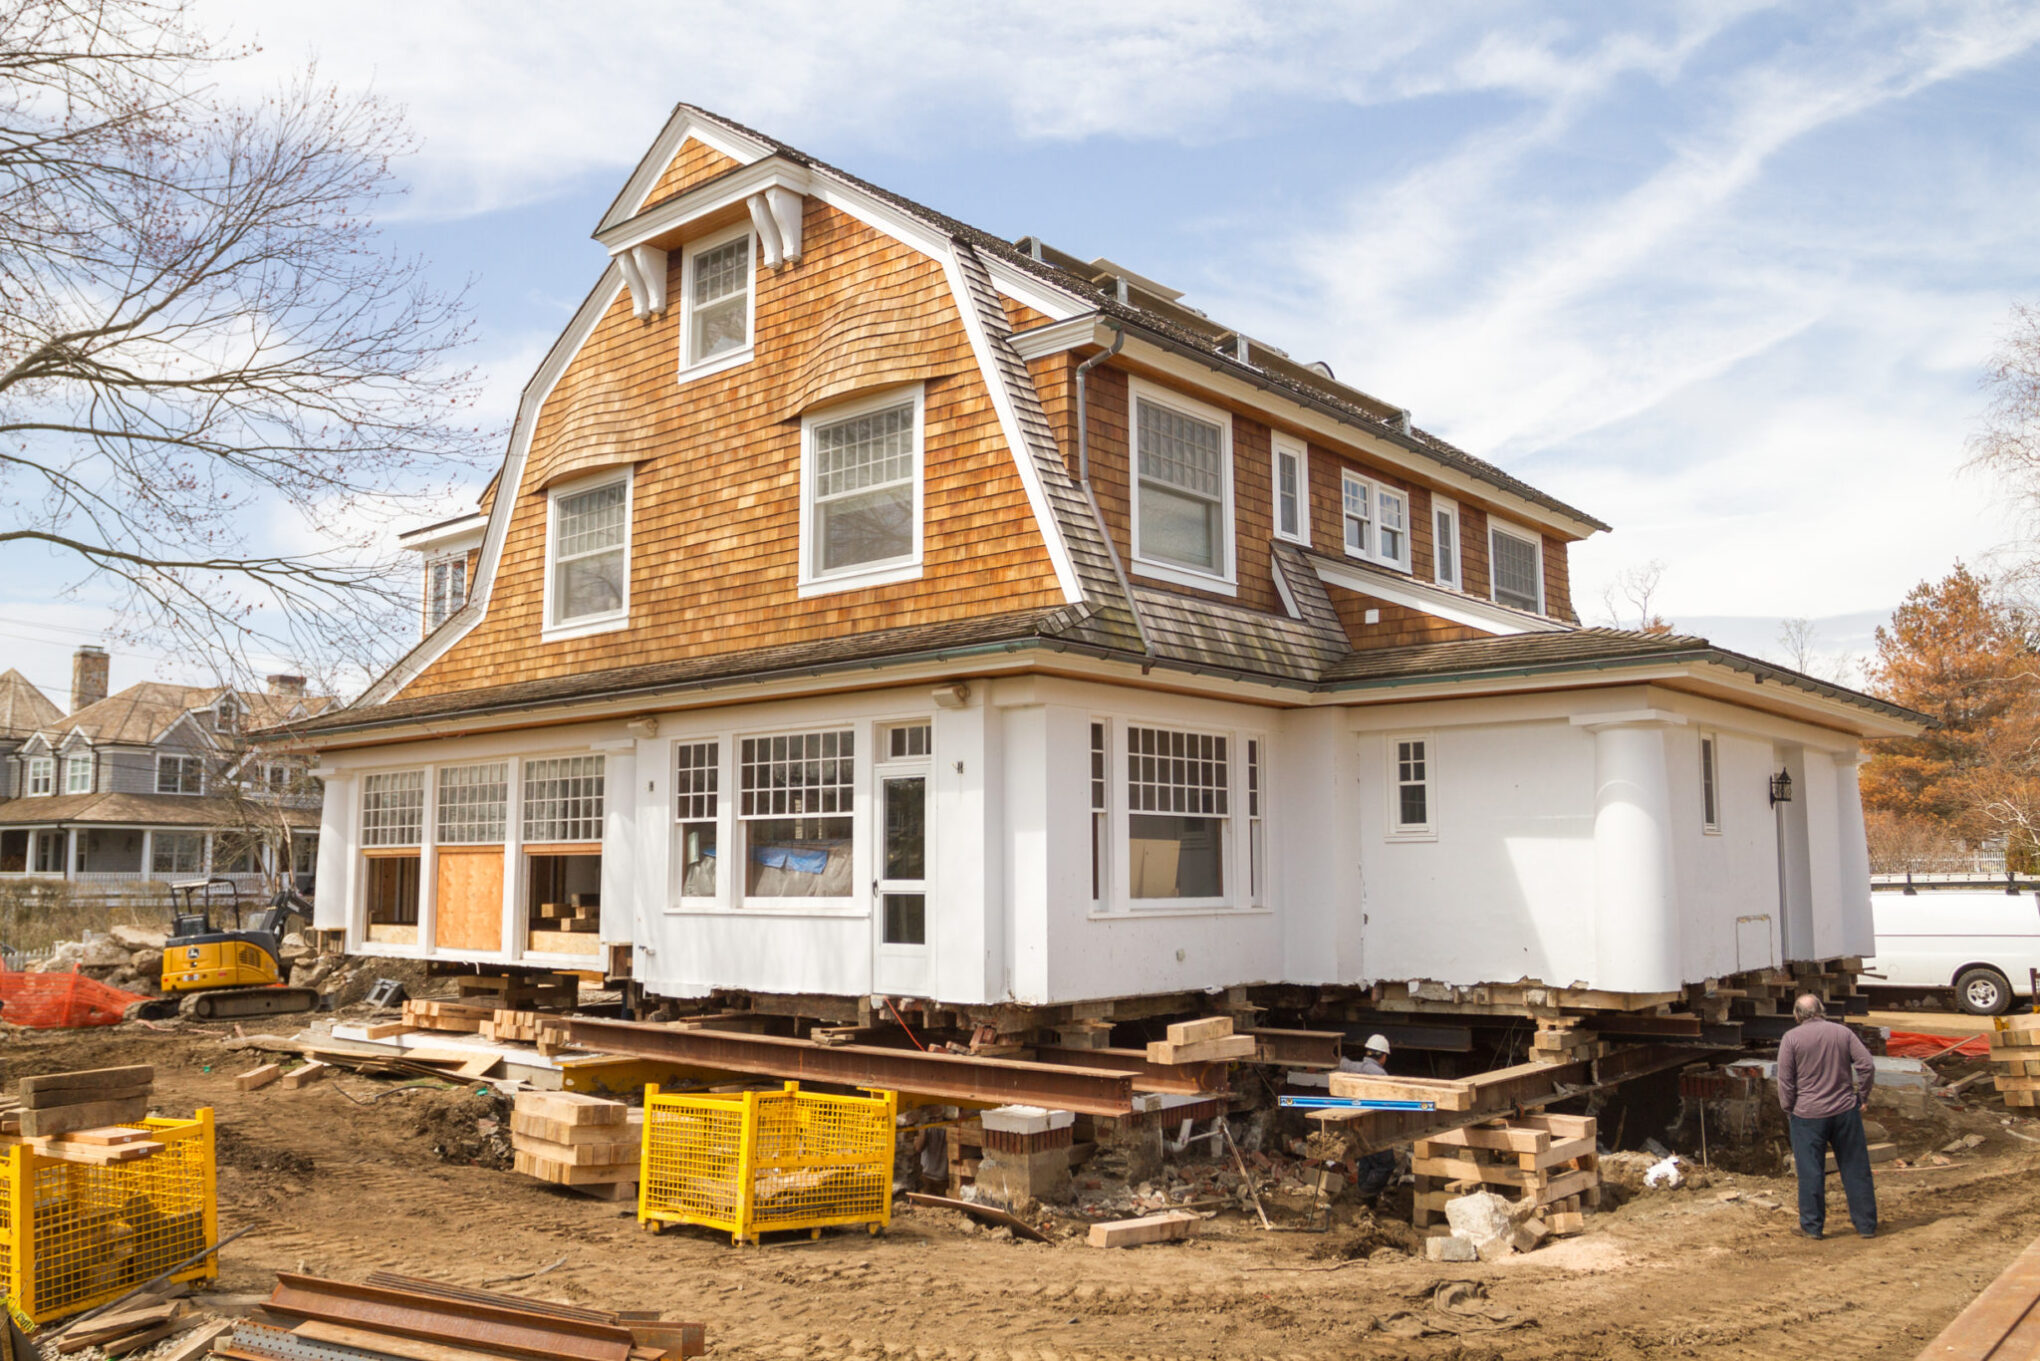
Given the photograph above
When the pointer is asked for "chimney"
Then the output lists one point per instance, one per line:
(88, 676)
(292, 687)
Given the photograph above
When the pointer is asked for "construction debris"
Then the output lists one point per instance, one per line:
(456, 1017)
(2015, 1060)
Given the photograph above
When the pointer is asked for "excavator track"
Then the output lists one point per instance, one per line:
(228, 1003)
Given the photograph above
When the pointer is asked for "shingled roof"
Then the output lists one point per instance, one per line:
(24, 710)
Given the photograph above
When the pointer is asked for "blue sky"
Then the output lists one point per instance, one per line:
(1723, 274)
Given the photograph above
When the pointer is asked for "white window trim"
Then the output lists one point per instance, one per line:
(432, 565)
(864, 575)
(1224, 582)
(1710, 782)
(161, 757)
(1399, 830)
(1498, 527)
(44, 767)
(1296, 448)
(610, 620)
(851, 904)
(1370, 550)
(730, 358)
(1445, 505)
(72, 763)
(725, 826)
(1119, 902)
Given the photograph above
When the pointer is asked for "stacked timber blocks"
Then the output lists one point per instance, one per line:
(526, 1027)
(1564, 1041)
(520, 992)
(1210, 1040)
(577, 1141)
(2015, 1060)
(454, 1017)
(58, 1104)
(1547, 1165)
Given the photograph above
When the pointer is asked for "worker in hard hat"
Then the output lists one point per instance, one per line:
(1375, 1170)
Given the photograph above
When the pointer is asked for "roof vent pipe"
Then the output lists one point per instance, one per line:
(1147, 648)
(1402, 421)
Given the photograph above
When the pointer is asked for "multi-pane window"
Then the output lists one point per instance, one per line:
(1445, 546)
(563, 799)
(180, 775)
(906, 741)
(864, 475)
(1257, 849)
(1182, 518)
(1101, 824)
(78, 774)
(1292, 509)
(1392, 533)
(1178, 787)
(795, 799)
(590, 546)
(1410, 785)
(42, 774)
(393, 808)
(1710, 810)
(719, 300)
(177, 853)
(445, 589)
(1356, 499)
(697, 777)
(473, 803)
(1517, 564)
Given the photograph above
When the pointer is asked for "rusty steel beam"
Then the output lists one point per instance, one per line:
(1175, 1079)
(1509, 1089)
(425, 1318)
(1298, 1048)
(951, 1077)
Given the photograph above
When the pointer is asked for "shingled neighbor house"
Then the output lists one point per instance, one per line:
(867, 604)
(154, 783)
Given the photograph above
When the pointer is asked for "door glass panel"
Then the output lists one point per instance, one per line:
(906, 827)
(906, 919)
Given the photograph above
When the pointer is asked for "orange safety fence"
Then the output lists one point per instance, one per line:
(1905, 1044)
(60, 1001)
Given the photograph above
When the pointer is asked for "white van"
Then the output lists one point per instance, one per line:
(1959, 932)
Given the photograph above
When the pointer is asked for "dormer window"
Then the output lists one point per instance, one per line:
(42, 774)
(1518, 559)
(715, 303)
(445, 589)
(78, 774)
(1377, 521)
(226, 713)
(860, 517)
(1182, 490)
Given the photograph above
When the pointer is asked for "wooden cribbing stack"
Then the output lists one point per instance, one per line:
(520, 992)
(2015, 1060)
(1550, 1160)
(455, 1017)
(1209, 1040)
(582, 1142)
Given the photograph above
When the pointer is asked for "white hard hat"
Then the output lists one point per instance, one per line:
(1377, 1044)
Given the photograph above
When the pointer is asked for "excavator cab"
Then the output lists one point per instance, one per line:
(230, 971)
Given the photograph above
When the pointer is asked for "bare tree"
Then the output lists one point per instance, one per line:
(1628, 599)
(2008, 444)
(202, 334)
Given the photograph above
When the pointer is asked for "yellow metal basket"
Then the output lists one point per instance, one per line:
(751, 1163)
(73, 1236)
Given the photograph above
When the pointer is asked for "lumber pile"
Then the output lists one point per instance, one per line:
(1209, 1040)
(2015, 1060)
(1546, 1165)
(582, 1142)
(1564, 1041)
(137, 1325)
(526, 1027)
(457, 1017)
(520, 992)
(581, 912)
(405, 1316)
(60, 1103)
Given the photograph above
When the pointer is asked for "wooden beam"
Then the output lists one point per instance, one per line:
(2000, 1324)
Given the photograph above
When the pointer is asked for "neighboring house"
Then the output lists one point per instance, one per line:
(870, 605)
(155, 782)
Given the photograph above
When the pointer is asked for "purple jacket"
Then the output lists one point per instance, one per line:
(1823, 1069)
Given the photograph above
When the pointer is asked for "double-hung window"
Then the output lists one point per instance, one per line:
(445, 589)
(861, 494)
(1377, 521)
(715, 291)
(697, 788)
(1710, 777)
(78, 774)
(1292, 490)
(588, 556)
(1445, 543)
(180, 775)
(42, 774)
(1410, 801)
(1182, 490)
(1516, 559)
(1179, 814)
(795, 810)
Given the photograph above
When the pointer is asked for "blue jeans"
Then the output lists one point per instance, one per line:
(1375, 1171)
(1811, 1140)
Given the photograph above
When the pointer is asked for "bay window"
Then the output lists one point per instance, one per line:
(796, 795)
(861, 493)
(588, 555)
(1182, 489)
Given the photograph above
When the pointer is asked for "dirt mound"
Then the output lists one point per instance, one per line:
(233, 1149)
(1367, 1235)
(472, 1130)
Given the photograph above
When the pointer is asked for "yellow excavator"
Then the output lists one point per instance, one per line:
(212, 972)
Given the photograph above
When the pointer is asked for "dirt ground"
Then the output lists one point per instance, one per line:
(341, 1188)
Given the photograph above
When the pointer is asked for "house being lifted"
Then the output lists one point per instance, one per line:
(873, 615)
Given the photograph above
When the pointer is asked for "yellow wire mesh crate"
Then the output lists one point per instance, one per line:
(750, 1163)
(74, 1236)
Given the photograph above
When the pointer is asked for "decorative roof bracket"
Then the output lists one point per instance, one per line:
(644, 269)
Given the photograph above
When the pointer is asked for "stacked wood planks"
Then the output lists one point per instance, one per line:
(457, 1017)
(520, 992)
(525, 1027)
(2015, 1060)
(1209, 1040)
(59, 1103)
(579, 1141)
(1548, 1160)
(1564, 1041)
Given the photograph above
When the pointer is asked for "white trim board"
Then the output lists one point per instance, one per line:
(1471, 611)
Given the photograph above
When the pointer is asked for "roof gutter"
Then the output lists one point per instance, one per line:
(1147, 647)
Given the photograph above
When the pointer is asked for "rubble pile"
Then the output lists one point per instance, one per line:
(126, 957)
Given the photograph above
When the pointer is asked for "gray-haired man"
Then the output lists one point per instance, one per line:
(1824, 1077)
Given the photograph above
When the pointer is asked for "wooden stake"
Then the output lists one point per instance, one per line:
(1245, 1175)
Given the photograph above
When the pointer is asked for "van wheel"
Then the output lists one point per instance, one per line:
(1983, 992)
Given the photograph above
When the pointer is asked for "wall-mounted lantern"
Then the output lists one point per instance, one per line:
(1781, 788)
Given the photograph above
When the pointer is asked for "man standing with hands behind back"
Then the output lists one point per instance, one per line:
(1824, 1077)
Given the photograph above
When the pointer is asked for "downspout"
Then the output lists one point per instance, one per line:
(1147, 648)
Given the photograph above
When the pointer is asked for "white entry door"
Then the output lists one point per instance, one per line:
(901, 959)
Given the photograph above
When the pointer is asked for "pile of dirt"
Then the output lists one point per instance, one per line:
(471, 1129)
(233, 1149)
(1368, 1234)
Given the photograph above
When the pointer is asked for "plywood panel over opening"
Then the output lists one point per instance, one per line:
(468, 913)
